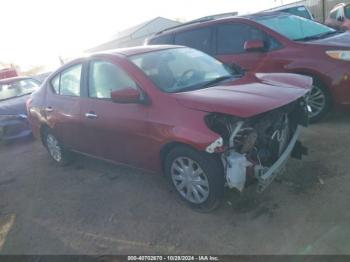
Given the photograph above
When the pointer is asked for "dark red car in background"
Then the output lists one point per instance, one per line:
(177, 110)
(276, 42)
(8, 73)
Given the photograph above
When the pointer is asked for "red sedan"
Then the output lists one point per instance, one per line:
(174, 110)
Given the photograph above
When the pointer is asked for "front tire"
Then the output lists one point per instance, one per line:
(319, 102)
(197, 177)
(55, 149)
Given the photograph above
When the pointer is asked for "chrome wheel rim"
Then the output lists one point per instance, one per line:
(190, 180)
(316, 101)
(54, 148)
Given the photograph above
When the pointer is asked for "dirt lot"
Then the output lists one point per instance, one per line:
(92, 207)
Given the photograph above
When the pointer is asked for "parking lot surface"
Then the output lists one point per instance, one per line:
(92, 207)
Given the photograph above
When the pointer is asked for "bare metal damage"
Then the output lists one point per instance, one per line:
(262, 144)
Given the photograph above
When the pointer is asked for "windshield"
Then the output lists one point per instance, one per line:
(295, 28)
(181, 69)
(18, 88)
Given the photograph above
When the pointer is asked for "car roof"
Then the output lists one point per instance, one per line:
(12, 79)
(130, 51)
(194, 23)
(124, 52)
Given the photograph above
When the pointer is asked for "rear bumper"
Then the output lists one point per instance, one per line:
(266, 175)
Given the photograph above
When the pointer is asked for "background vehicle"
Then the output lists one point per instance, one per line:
(339, 17)
(275, 42)
(298, 9)
(129, 106)
(13, 115)
(7, 73)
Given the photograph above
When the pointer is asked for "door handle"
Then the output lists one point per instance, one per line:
(49, 109)
(91, 115)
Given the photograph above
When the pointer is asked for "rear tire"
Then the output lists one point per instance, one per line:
(197, 177)
(320, 102)
(55, 149)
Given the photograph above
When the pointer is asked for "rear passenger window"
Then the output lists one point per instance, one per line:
(162, 40)
(199, 39)
(67, 83)
(232, 37)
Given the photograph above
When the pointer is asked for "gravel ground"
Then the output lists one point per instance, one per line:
(91, 207)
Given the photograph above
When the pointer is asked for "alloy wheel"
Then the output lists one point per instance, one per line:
(316, 102)
(54, 148)
(190, 180)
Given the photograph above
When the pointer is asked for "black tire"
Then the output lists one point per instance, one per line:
(65, 155)
(212, 169)
(320, 87)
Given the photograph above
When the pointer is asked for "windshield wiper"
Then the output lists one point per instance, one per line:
(217, 80)
(206, 84)
(315, 37)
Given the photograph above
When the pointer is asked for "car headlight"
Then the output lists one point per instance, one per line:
(339, 55)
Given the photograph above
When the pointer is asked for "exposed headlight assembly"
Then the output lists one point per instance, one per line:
(339, 55)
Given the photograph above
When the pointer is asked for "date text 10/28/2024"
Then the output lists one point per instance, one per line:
(173, 258)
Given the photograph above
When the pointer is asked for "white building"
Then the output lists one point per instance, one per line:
(136, 35)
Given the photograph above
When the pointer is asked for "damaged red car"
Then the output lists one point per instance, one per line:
(177, 111)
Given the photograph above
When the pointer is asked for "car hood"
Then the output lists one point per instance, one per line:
(14, 106)
(249, 96)
(340, 40)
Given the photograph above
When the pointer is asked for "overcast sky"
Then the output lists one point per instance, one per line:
(37, 31)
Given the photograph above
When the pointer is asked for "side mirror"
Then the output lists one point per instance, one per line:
(254, 46)
(127, 95)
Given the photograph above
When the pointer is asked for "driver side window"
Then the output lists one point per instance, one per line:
(105, 77)
(231, 38)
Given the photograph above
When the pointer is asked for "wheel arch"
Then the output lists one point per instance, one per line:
(165, 149)
(316, 77)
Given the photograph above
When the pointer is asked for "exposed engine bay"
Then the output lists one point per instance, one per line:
(259, 145)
